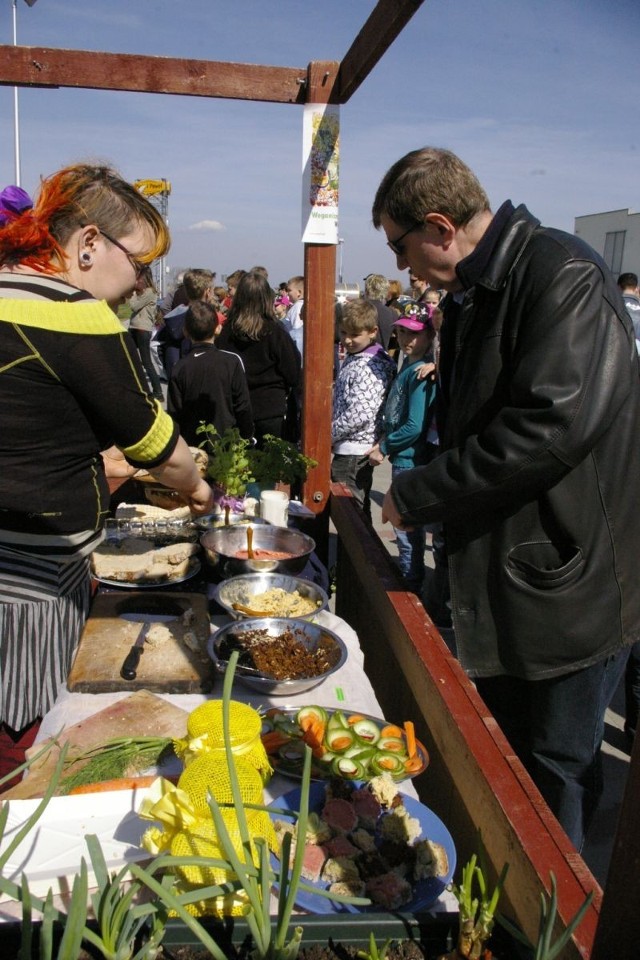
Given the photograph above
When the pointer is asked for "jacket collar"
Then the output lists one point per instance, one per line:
(499, 248)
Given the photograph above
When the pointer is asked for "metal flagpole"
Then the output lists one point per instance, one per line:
(16, 121)
(16, 118)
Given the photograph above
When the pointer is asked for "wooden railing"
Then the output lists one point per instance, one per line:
(474, 782)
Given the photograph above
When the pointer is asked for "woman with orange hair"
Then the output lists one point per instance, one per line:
(71, 385)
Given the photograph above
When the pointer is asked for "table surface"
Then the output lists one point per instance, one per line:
(349, 688)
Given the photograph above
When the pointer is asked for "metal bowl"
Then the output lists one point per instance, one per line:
(211, 521)
(222, 544)
(241, 590)
(312, 635)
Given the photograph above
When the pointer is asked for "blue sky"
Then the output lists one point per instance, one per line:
(540, 97)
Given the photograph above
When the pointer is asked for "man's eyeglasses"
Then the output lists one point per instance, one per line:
(137, 265)
(396, 246)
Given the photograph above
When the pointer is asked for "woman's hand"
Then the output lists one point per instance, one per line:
(201, 501)
(179, 472)
(115, 464)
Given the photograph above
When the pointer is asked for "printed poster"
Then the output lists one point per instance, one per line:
(320, 181)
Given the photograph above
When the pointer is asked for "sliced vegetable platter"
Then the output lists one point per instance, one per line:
(354, 746)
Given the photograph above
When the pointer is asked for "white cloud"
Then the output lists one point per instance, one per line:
(208, 225)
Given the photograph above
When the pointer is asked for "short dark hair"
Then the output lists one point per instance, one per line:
(200, 321)
(626, 280)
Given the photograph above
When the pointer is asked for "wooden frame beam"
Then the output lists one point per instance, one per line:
(386, 21)
(90, 69)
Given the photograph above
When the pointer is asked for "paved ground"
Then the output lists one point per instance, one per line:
(597, 849)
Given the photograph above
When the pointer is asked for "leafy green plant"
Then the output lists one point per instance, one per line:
(545, 949)
(230, 466)
(476, 911)
(374, 952)
(279, 461)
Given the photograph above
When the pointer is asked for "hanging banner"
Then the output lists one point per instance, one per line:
(320, 159)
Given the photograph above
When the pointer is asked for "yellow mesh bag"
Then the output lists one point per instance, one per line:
(209, 772)
(205, 733)
(201, 840)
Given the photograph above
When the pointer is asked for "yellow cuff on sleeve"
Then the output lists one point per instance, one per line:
(155, 441)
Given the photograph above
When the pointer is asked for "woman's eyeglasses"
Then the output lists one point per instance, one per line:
(396, 245)
(137, 265)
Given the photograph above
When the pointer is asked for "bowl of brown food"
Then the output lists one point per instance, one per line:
(277, 656)
(258, 595)
(256, 548)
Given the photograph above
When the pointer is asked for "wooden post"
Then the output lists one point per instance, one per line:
(319, 300)
(618, 932)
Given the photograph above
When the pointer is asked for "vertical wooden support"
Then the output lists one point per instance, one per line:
(618, 933)
(319, 298)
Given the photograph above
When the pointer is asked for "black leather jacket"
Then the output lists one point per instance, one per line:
(539, 480)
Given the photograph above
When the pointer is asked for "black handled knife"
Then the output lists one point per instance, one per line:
(132, 659)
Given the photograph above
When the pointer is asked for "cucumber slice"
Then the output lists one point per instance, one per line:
(317, 713)
(339, 740)
(366, 730)
(337, 721)
(393, 745)
(348, 768)
(388, 763)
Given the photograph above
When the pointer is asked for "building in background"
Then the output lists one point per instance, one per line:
(615, 235)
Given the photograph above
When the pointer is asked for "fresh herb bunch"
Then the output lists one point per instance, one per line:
(279, 461)
(115, 758)
(230, 466)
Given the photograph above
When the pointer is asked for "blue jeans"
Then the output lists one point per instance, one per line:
(411, 547)
(632, 690)
(556, 727)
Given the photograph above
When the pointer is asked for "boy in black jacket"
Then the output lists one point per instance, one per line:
(208, 385)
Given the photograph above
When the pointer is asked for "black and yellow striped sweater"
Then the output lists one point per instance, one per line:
(71, 384)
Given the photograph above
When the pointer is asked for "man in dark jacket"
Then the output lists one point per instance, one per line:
(539, 477)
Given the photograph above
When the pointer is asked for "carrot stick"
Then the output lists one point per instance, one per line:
(410, 734)
(413, 764)
(119, 783)
(273, 739)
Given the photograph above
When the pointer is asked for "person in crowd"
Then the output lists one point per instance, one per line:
(537, 480)
(208, 385)
(232, 285)
(270, 358)
(171, 339)
(281, 305)
(395, 291)
(376, 289)
(141, 326)
(71, 385)
(407, 413)
(265, 274)
(628, 283)
(294, 320)
(359, 394)
(418, 286)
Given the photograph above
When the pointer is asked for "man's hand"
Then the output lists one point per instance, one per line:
(390, 512)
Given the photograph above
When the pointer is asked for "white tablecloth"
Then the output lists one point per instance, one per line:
(348, 688)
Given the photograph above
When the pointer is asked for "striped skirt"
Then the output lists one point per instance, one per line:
(43, 607)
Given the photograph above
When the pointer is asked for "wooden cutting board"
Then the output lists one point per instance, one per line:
(167, 666)
(141, 714)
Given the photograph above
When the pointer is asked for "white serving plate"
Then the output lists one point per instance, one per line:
(54, 847)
